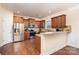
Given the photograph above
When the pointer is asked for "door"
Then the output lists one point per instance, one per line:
(1, 31)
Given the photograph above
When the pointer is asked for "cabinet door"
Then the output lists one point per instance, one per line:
(31, 22)
(18, 19)
(42, 24)
(63, 21)
(59, 21)
(26, 35)
(38, 24)
(26, 22)
(54, 22)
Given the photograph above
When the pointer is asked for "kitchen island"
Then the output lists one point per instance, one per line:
(52, 41)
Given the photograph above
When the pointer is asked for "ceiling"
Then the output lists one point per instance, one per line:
(38, 10)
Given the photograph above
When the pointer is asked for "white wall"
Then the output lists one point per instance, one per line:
(6, 26)
(72, 18)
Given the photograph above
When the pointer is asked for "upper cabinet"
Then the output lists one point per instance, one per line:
(43, 24)
(26, 23)
(37, 24)
(40, 24)
(31, 22)
(18, 19)
(58, 21)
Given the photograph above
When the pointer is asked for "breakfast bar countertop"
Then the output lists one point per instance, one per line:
(52, 41)
(42, 33)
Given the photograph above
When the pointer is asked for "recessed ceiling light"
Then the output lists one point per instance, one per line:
(39, 16)
(18, 12)
(49, 11)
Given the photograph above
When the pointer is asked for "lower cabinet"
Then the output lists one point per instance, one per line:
(38, 43)
(26, 35)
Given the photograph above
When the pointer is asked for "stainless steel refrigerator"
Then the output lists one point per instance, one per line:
(18, 32)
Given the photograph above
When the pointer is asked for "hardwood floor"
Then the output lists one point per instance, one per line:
(27, 48)
(20, 48)
(68, 50)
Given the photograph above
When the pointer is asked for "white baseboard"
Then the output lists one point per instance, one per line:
(1, 44)
(75, 46)
(4, 43)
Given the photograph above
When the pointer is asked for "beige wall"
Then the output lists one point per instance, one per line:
(72, 18)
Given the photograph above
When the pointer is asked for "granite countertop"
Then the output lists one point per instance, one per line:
(42, 33)
(38, 34)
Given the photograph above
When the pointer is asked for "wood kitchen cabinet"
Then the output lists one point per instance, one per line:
(26, 23)
(18, 19)
(40, 24)
(31, 21)
(37, 43)
(58, 21)
(26, 35)
(37, 24)
(63, 20)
